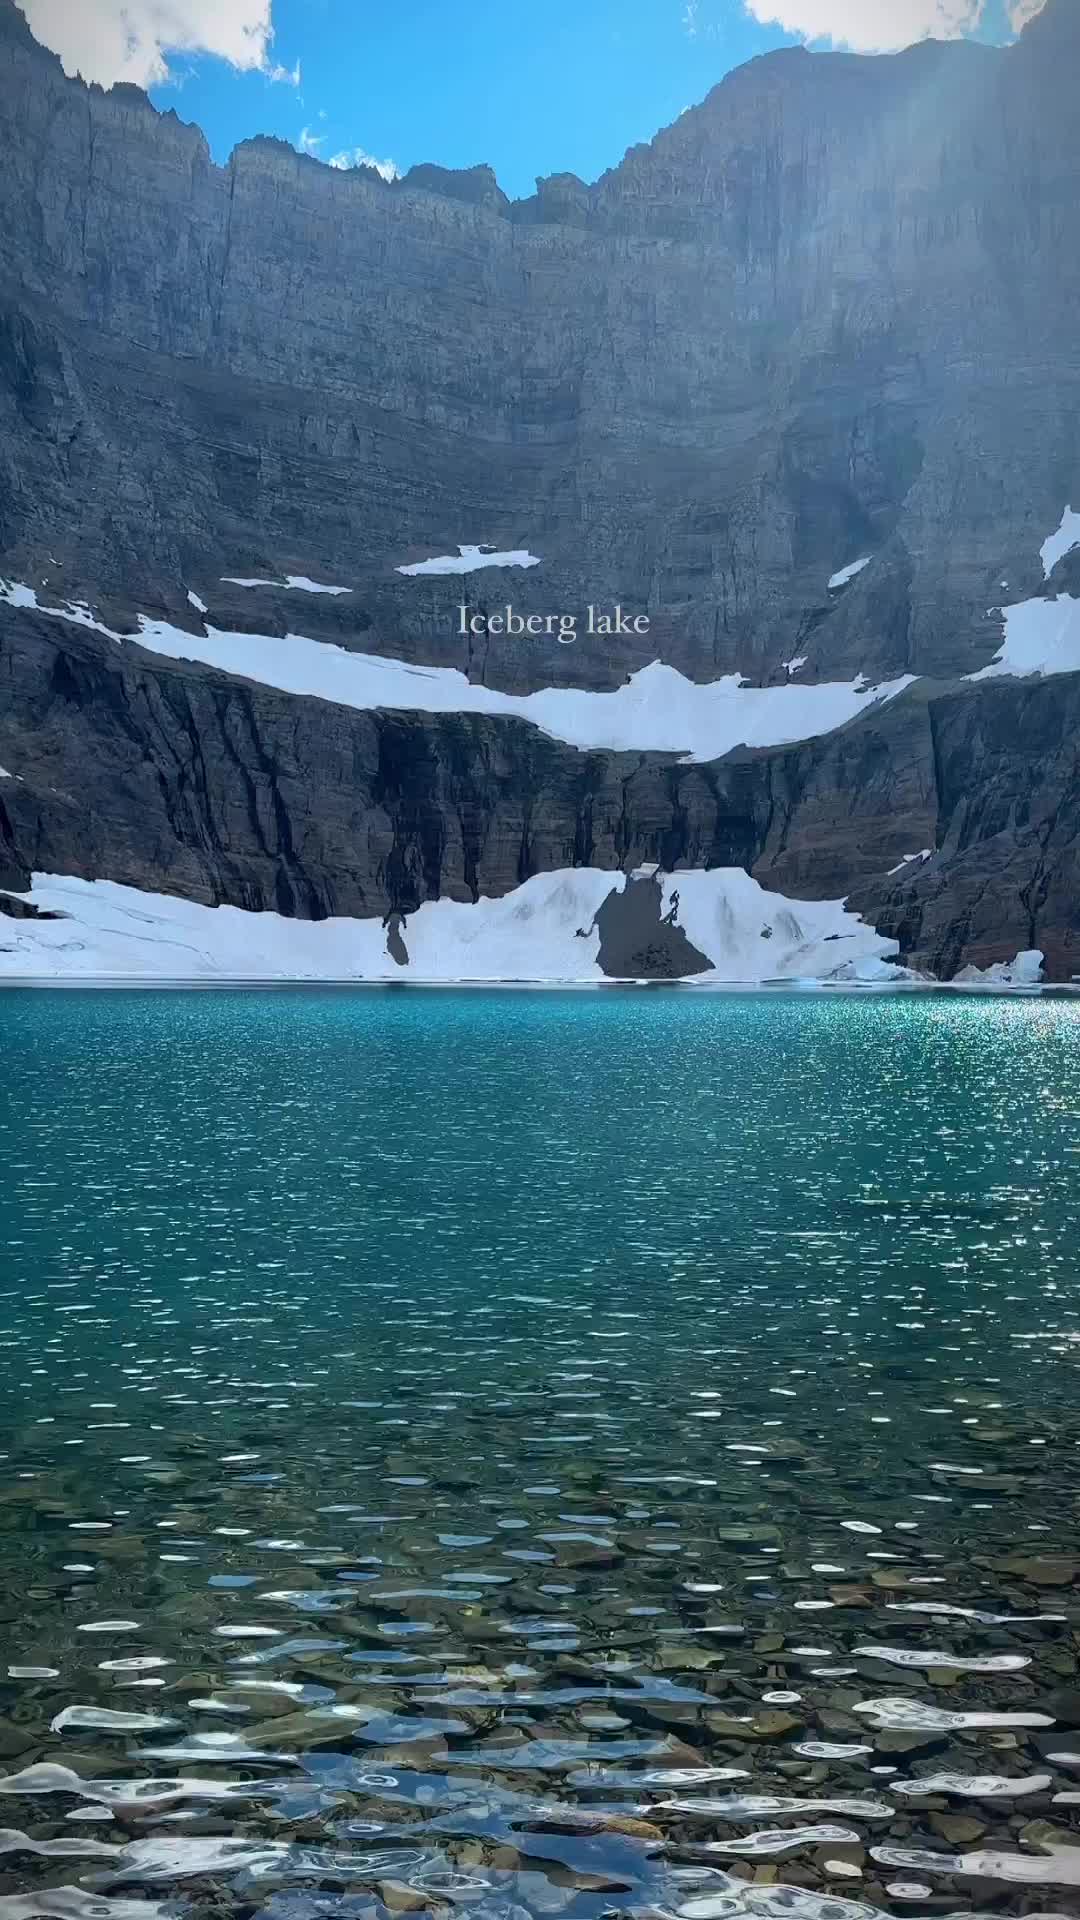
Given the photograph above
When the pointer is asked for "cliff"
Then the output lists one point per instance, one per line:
(829, 316)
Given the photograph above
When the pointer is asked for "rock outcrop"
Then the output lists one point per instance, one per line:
(829, 315)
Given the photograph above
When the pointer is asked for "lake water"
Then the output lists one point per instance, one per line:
(515, 1454)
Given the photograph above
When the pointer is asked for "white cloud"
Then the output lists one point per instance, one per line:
(1021, 11)
(111, 40)
(356, 157)
(876, 26)
(310, 142)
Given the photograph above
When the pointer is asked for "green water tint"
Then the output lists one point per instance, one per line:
(538, 1454)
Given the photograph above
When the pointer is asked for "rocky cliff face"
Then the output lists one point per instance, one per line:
(828, 316)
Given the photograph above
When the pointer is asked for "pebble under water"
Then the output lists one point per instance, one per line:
(538, 1454)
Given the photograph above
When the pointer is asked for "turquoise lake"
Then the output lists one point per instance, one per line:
(538, 1453)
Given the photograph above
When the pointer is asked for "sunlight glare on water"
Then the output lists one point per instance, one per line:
(529, 1454)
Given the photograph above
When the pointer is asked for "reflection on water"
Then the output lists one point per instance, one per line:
(538, 1455)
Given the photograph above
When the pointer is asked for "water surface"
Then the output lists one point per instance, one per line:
(538, 1453)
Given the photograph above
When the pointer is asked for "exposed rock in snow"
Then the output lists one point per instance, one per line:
(294, 582)
(470, 560)
(543, 931)
(848, 573)
(1024, 971)
(1062, 542)
(658, 710)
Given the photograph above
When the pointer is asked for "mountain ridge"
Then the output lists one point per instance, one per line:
(796, 382)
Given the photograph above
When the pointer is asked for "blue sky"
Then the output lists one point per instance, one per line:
(563, 87)
(530, 90)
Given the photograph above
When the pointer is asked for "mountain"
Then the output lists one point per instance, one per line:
(795, 387)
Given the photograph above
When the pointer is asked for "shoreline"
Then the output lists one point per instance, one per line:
(260, 983)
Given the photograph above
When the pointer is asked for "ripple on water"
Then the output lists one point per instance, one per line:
(516, 1493)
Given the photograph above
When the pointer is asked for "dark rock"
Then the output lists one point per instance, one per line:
(827, 314)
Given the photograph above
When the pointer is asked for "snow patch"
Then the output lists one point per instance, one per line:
(1024, 971)
(543, 931)
(113, 931)
(469, 560)
(848, 573)
(657, 710)
(299, 583)
(14, 595)
(752, 935)
(293, 582)
(1041, 636)
(17, 596)
(792, 666)
(200, 606)
(5, 775)
(909, 859)
(1062, 542)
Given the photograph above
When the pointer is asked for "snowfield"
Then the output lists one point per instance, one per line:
(752, 935)
(658, 710)
(543, 931)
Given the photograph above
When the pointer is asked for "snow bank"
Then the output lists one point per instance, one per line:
(119, 932)
(543, 931)
(5, 775)
(848, 573)
(200, 606)
(470, 560)
(1062, 542)
(752, 935)
(293, 582)
(1024, 971)
(658, 710)
(1041, 636)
